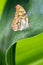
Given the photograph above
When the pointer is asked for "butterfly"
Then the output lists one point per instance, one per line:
(20, 21)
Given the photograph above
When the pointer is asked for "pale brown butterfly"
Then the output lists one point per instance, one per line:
(20, 21)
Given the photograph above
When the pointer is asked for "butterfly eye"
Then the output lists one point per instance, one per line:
(20, 21)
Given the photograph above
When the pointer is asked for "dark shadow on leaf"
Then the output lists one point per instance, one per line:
(11, 55)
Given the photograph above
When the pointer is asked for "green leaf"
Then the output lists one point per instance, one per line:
(2, 4)
(30, 51)
(8, 37)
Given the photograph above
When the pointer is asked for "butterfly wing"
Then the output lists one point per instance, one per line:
(20, 21)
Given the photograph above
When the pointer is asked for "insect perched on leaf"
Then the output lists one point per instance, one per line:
(20, 21)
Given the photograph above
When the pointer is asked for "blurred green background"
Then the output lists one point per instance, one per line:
(29, 51)
(2, 4)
